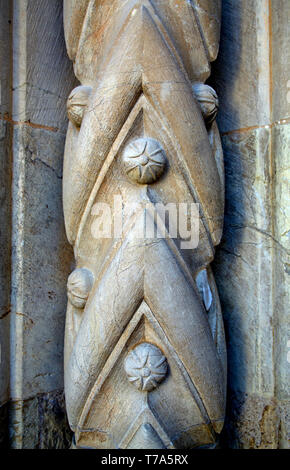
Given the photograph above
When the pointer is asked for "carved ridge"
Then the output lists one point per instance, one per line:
(143, 311)
(139, 128)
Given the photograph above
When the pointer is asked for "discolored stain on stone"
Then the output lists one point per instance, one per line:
(4, 440)
(45, 424)
(252, 422)
(54, 432)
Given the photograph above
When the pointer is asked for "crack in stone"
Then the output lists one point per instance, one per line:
(37, 159)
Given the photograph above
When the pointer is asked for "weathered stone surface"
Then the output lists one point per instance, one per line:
(251, 259)
(42, 261)
(280, 59)
(5, 215)
(142, 321)
(241, 71)
(44, 424)
(281, 145)
(42, 71)
(256, 422)
(252, 422)
(41, 257)
(250, 76)
(243, 261)
(4, 435)
(5, 250)
(284, 429)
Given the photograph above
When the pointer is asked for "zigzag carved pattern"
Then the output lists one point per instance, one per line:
(132, 60)
(143, 311)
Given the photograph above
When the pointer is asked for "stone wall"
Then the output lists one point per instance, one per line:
(251, 77)
(5, 214)
(40, 80)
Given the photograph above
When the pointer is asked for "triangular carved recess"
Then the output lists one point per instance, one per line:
(143, 365)
(146, 438)
(145, 433)
(143, 327)
(135, 265)
(142, 121)
(100, 16)
(202, 174)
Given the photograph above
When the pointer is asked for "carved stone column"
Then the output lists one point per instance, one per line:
(145, 363)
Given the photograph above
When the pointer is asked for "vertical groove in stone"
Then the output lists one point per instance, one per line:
(264, 92)
(280, 110)
(272, 189)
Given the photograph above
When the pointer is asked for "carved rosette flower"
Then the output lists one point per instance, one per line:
(144, 160)
(146, 367)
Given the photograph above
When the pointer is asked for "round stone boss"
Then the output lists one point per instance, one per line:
(144, 160)
(79, 285)
(146, 366)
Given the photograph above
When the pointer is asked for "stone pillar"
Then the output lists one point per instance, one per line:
(252, 76)
(144, 331)
(41, 258)
(251, 266)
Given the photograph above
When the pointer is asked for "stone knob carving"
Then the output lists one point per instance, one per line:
(146, 367)
(208, 101)
(79, 285)
(140, 118)
(76, 104)
(144, 160)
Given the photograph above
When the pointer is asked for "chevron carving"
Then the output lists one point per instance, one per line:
(145, 359)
